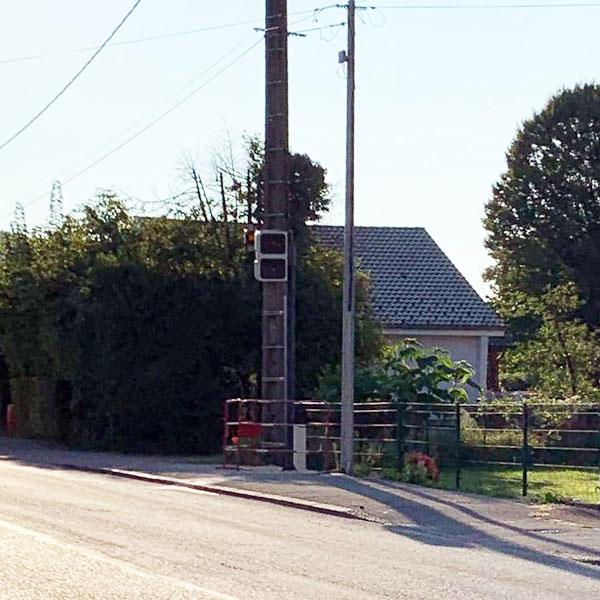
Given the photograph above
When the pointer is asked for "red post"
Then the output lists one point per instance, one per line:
(225, 431)
(11, 420)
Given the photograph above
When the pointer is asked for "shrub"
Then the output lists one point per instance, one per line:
(420, 468)
(152, 323)
(404, 372)
(476, 430)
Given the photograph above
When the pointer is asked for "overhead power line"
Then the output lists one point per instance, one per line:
(315, 11)
(72, 80)
(151, 124)
(480, 6)
(150, 38)
(173, 97)
(322, 28)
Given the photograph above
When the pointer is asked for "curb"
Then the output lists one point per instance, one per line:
(297, 503)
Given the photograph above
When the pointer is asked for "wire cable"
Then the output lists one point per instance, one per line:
(320, 29)
(481, 6)
(140, 121)
(312, 12)
(72, 80)
(151, 124)
(152, 38)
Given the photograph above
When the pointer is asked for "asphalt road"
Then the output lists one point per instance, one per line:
(65, 534)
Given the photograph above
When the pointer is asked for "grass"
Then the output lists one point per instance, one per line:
(545, 485)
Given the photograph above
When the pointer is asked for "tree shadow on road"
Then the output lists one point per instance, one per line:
(426, 518)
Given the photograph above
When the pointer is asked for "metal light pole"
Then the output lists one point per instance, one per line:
(347, 419)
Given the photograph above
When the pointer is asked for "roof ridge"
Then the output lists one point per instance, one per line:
(390, 227)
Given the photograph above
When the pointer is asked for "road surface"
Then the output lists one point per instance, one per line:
(65, 534)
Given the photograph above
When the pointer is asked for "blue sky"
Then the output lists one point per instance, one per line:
(440, 95)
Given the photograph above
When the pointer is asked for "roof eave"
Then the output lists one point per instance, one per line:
(449, 330)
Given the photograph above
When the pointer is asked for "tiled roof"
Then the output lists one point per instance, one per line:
(414, 284)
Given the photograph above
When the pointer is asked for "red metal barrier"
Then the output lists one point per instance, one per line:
(251, 437)
(249, 430)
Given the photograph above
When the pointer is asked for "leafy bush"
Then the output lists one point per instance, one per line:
(560, 358)
(152, 322)
(404, 372)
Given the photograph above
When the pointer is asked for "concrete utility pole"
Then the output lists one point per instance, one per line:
(278, 297)
(347, 419)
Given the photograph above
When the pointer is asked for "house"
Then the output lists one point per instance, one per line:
(417, 292)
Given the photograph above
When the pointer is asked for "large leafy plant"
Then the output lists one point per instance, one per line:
(404, 372)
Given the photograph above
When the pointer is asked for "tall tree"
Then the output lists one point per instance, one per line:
(543, 220)
(231, 192)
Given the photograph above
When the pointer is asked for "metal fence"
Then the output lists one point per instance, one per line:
(529, 436)
(502, 436)
(254, 436)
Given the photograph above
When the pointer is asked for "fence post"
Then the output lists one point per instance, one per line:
(525, 449)
(457, 449)
(225, 431)
(399, 441)
(239, 442)
(329, 460)
(598, 453)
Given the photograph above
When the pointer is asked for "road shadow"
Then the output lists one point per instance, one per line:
(52, 455)
(425, 519)
(425, 516)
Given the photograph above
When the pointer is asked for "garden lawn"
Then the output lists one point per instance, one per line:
(546, 485)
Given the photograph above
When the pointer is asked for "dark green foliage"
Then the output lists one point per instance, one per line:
(544, 217)
(158, 355)
(134, 314)
(543, 227)
(152, 323)
(145, 326)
